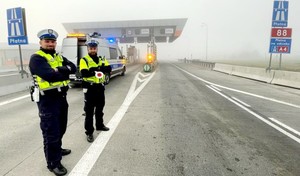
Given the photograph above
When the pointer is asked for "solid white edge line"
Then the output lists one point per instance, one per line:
(13, 74)
(13, 100)
(215, 87)
(261, 118)
(239, 91)
(285, 126)
(224, 95)
(245, 104)
(86, 163)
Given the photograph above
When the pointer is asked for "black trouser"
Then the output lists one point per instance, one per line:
(94, 103)
(53, 112)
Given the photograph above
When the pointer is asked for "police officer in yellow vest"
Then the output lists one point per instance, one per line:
(93, 68)
(50, 72)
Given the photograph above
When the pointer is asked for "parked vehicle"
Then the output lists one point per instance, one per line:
(74, 48)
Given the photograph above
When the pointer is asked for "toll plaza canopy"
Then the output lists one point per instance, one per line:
(134, 31)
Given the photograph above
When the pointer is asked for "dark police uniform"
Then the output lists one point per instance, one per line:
(51, 75)
(93, 87)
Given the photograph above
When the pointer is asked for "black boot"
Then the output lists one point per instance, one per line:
(59, 170)
(65, 152)
(90, 137)
(103, 128)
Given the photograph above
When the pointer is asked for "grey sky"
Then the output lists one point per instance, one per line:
(236, 28)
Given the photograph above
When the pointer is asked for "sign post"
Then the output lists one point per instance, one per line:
(281, 37)
(17, 31)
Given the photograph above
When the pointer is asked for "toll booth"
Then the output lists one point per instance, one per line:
(151, 59)
(132, 32)
(132, 54)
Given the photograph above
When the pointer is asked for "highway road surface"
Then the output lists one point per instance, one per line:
(178, 120)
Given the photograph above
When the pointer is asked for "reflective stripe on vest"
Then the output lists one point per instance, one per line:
(54, 62)
(90, 64)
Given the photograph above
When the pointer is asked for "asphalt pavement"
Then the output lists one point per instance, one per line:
(179, 119)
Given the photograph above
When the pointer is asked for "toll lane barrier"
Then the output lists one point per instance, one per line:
(224, 68)
(284, 78)
(255, 73)
(287, 78)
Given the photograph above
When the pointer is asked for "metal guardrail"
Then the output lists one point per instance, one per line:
(204, 64)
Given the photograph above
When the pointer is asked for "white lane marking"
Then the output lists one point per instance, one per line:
(144, 75)
(85, 164)
(141, 74)
(13, 74)
(285, 126)
(240, 101)
(141, 80)
(13, 100)
(211, 87)
(235, 99)
(259, 117)
(215, 87)
(239, 91)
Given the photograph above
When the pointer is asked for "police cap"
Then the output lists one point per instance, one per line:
(48, 34)
(92, 43)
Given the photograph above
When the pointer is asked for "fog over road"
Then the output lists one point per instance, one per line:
(180, 119)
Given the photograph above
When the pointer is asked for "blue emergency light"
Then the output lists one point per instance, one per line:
(111, 40)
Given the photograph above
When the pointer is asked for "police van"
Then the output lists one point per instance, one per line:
(74, 48)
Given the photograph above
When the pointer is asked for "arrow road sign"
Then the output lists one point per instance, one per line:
(280, 14)
(15, 25)
(147, 68)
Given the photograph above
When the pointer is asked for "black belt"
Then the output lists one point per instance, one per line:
(92, 84)
(61, 90)
(96, 85)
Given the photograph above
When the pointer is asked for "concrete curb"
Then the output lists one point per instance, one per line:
(278, 77)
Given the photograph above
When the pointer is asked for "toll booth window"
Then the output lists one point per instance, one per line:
(113, 53)
(137, 31)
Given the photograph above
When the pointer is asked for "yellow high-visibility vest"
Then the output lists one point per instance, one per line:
(54, 62)
(87, 62)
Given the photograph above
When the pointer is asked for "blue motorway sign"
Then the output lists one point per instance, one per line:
(15, 25)
(280, 14)
(280, 45)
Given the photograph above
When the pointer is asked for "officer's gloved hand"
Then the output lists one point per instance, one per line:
(102, 68)
(64, 69)
(92, 71)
